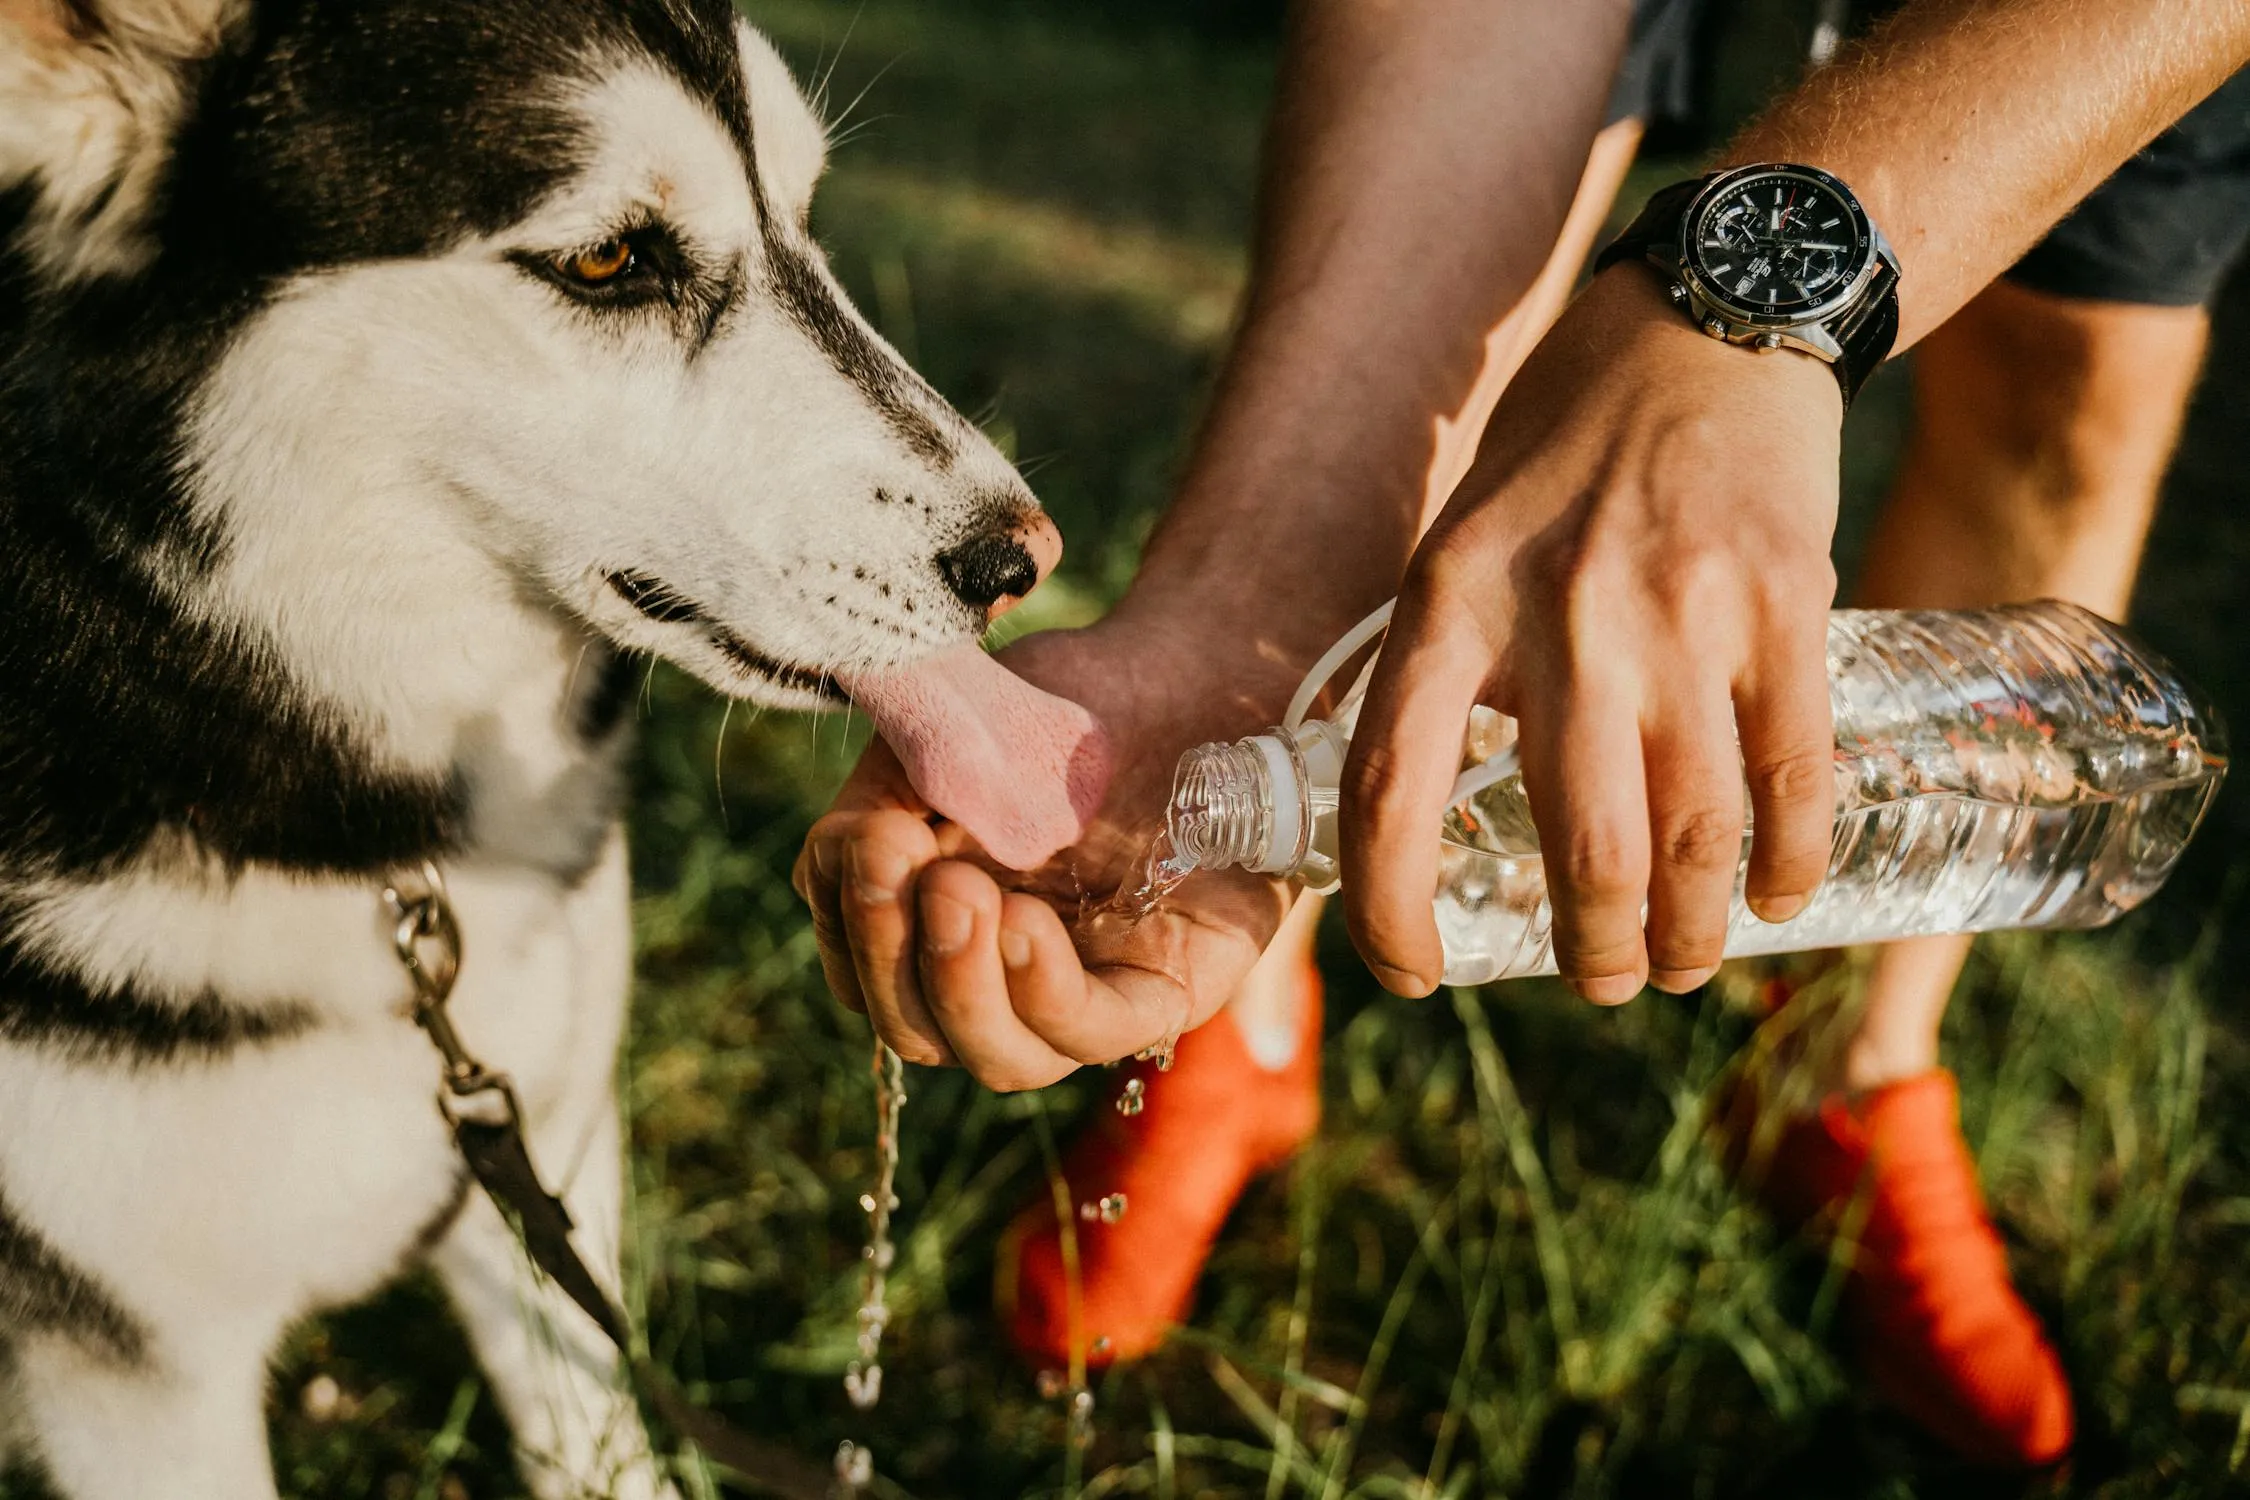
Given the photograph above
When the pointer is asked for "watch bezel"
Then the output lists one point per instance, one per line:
(1864, 251)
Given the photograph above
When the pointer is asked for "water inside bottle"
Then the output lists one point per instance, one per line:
(2027, 768)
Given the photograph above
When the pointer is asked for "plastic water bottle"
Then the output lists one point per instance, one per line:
(2023, 767)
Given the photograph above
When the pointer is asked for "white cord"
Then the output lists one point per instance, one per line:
(1475, 779)
(1333, 660)
(1472, 781)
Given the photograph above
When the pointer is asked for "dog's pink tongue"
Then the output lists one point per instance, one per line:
(1020, 769)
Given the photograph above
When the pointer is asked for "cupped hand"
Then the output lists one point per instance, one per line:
(1636, 568)
(957, 960)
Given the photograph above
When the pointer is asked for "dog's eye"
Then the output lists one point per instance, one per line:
(600, 264)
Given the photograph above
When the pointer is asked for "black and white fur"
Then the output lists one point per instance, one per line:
(329, 502)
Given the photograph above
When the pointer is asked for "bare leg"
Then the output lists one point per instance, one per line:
(2042, 429)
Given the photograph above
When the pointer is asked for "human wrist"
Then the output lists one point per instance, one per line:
(1631, 308)
(1278, 600)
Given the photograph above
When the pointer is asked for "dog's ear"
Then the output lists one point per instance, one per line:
(90, 94)
(154, 30)
(792, 146)
(42, 25)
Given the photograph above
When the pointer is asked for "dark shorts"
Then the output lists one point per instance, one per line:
(2163, 230)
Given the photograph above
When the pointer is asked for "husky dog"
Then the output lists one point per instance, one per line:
(374, 375)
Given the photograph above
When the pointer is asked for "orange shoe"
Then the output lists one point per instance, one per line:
(1939, 1326)
(1217, 1119)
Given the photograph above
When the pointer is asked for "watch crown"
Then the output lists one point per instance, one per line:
(1677, 292)
(1768, 342)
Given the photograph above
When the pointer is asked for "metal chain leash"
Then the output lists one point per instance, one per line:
(427, 939)
(481, 1106)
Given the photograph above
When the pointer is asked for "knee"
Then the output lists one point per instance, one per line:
(2071, 406)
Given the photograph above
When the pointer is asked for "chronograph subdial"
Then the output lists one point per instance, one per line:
(1812, 267)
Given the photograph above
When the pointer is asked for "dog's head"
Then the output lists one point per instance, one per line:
(532, 275)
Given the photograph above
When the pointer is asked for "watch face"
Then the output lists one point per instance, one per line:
(1779, 246)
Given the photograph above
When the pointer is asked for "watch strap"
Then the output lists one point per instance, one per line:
(1656, 225)
(1866, 330)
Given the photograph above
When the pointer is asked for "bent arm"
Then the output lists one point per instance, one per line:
(1638, 568)
(1969, 128)
(1420, 161)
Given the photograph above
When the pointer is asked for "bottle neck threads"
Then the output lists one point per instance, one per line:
(1225, 813)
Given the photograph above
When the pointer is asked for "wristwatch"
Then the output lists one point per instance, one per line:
(1774, 256)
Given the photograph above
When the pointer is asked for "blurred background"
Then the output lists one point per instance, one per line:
(1510, 1264)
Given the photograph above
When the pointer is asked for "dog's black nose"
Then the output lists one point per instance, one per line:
(986, 569)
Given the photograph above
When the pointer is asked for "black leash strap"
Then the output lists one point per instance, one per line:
(481, 1106)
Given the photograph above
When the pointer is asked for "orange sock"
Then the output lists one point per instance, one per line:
(1939, 1326)
(1207, 1127)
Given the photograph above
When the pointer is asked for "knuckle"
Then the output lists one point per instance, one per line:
(1706, 838)
(1440, 567)
(1795, 583)
(1797, 778)
(1374, 776)
(1599, 864)
(1695, 580)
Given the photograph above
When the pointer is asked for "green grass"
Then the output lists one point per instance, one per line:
(1511, 1263)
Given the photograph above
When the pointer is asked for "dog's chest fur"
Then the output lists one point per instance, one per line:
(212, 1099)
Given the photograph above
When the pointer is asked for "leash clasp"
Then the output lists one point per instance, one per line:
(427, 939)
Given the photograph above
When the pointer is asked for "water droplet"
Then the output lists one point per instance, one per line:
(1101, 1343)
(322, 1398)
(867, 1203)
(855, 1465)
(1133, 1100)
(1162, 1053)
(863, 1384)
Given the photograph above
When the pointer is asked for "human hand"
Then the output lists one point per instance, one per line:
(1635, 568)
(958, 960)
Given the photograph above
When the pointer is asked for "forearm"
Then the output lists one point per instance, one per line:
(1420, 162)
(1969, 127)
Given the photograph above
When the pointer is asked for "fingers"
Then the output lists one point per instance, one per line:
(1789, 758)
(877, 782)
(1405, 754)
(1006, 981)
(818, 879)
(970, 959)
(1695, 833)
(883, 856)
(1583, 772)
